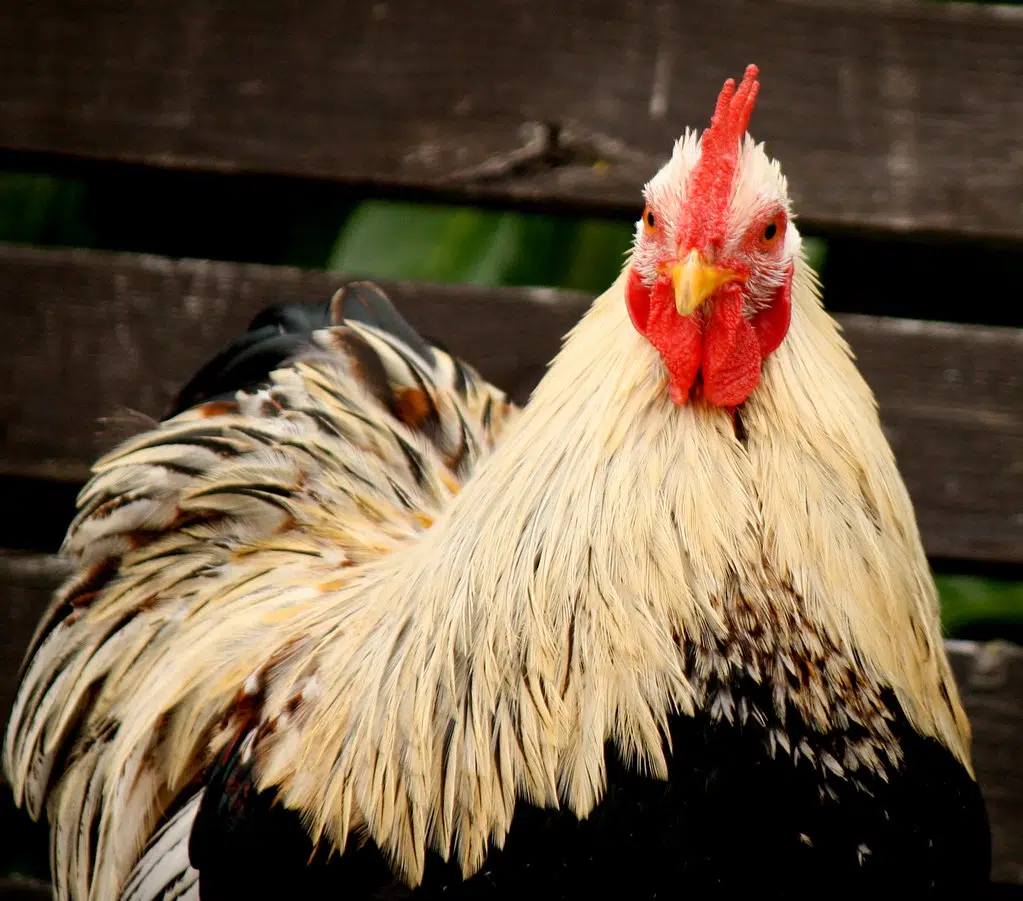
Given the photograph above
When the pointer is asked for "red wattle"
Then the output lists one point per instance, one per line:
(637, 301)
(676, 338)
(772, 322)
(731, 352)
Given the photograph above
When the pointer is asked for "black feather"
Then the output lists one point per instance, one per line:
(729, 821)
(274, 337)
(367, 303)
(278, 334)
(248, 830)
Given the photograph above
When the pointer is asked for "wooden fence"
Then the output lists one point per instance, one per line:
(895, 120)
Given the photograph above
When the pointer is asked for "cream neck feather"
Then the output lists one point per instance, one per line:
(609, 532)
(603, 471)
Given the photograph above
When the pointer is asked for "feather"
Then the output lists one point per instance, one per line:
(190, 500)
(163, 872)
(350, 582)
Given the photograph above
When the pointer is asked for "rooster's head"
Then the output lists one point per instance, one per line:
(710, 278)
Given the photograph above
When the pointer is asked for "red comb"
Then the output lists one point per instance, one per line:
(711, 179)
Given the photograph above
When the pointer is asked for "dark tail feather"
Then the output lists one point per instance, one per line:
(365, 302)
(278, 334)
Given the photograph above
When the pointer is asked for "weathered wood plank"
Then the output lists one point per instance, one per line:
(990, 677)
(86, 337)
(89, 341)
(951, 400)
(18, 889)
(900, 115)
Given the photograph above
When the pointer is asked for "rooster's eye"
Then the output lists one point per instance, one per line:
(772, 231)
(649, 219)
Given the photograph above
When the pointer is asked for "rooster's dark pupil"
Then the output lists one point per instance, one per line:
(650, 219)
(770, 231)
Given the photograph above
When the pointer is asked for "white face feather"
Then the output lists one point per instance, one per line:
(759, 189)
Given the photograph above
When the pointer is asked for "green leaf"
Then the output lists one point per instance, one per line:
(42, 209)
(971, 602)
(816, 250)
(390, 240)
(598, 256)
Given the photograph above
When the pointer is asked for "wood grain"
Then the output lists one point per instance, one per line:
(902, 116)
(990, 677)
(951, 400)
(91, 344)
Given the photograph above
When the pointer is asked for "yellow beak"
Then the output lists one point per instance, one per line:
(694, 280)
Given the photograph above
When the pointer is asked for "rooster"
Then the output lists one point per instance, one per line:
(350, 624)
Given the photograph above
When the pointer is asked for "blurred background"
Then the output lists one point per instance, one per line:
(948, 251)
